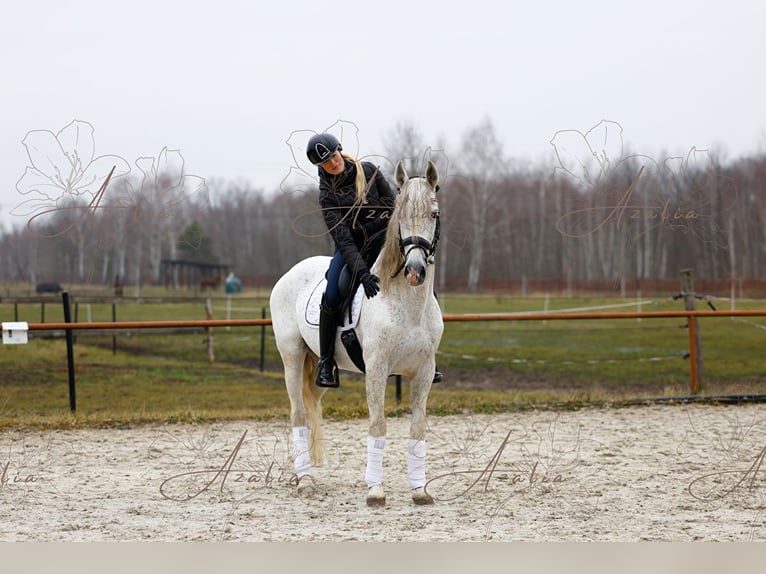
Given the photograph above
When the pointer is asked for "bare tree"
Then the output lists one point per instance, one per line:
(481, 165)
(492, 211)
(405, 143)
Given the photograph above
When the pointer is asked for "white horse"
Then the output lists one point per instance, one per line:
(399, 330)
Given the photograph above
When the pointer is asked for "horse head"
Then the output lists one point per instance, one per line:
(413, 231)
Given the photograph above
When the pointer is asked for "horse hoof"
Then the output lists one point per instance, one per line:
(305, 487)
(421, 497)
(376, 496)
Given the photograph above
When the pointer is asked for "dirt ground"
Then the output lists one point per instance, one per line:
(653, 473)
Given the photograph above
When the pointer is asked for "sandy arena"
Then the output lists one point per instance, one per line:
(656, 473)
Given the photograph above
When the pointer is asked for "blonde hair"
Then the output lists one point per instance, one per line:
(361, 180)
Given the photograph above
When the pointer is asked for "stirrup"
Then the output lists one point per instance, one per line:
(334, 380)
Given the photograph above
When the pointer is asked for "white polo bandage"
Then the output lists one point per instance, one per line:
(416, 463)
(301, 456)
(374, 473)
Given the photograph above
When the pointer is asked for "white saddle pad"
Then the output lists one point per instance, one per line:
(315, 299)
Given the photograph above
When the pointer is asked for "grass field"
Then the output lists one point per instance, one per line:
(490, 366)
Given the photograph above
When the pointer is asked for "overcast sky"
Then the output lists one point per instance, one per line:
(227, 82)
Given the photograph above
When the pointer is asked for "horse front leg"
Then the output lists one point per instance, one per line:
(376, 440)
(416, 447)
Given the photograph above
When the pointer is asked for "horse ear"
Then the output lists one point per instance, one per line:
(432, 175)
(400, 174)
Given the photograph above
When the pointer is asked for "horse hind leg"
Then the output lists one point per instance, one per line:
(306, 418)
(312, 400)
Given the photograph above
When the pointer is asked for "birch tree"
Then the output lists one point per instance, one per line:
(481, 166)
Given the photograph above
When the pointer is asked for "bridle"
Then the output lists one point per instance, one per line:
(427, 247)
(416, 242)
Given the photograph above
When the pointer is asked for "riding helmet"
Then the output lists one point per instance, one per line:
(321, 147)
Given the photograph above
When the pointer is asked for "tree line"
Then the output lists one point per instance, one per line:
(600, 216)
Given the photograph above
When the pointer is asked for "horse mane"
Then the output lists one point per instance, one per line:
(390, 259)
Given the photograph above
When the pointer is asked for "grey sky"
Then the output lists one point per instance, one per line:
(226, 82)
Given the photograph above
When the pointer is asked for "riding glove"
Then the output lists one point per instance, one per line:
(370, 284)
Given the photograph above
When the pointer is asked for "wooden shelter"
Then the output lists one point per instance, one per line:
(180, 273)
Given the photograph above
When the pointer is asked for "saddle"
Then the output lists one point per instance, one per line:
(349, 311)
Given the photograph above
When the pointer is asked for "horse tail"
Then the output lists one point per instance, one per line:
(312, 400)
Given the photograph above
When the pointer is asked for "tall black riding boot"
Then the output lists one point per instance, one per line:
(328, 324)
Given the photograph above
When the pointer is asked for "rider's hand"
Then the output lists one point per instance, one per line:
(370, 284)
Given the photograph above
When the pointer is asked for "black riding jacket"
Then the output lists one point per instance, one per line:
(358, 233)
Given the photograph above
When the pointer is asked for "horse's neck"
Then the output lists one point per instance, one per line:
(413, 299)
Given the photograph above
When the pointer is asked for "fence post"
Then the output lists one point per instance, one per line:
(263, 338)
(69, 352)
(209, 314)
(114, 337)
(76, 320)
(695, 346)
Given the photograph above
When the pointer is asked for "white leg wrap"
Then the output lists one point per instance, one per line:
(301, 456)
(374, 473)
(416, 463)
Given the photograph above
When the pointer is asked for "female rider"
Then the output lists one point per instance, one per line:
(357, 203)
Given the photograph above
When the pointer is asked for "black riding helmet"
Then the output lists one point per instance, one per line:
(321, 147)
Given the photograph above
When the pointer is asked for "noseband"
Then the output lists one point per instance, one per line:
(427, 247)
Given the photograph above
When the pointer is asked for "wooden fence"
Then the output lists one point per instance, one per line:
(691, 315)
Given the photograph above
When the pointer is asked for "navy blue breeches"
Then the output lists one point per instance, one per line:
(332, 293)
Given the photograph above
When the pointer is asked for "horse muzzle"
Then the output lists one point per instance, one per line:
(415, 274)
